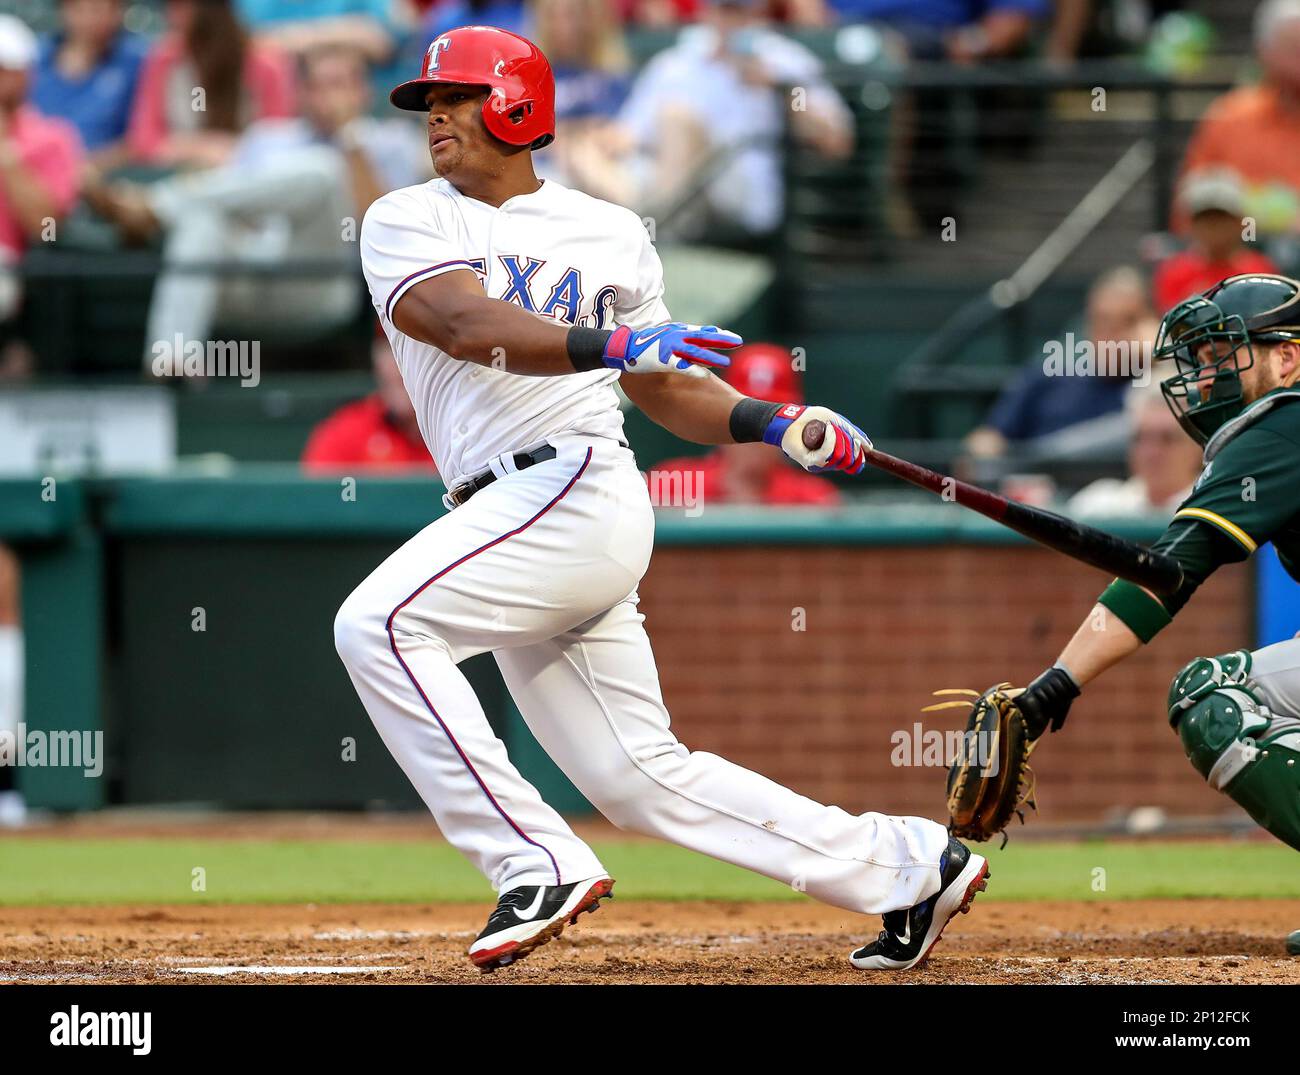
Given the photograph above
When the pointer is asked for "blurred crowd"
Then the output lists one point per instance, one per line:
(250, 132)
(1236, 209)
(255, 133)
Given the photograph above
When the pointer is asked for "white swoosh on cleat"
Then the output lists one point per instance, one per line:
(529, 911)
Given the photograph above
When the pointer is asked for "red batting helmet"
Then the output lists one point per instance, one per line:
(520, 109)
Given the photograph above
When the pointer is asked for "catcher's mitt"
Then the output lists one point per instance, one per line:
(990, 779)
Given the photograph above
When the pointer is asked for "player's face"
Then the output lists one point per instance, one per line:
(459, 143)
(1269, 371)
(1207, 354)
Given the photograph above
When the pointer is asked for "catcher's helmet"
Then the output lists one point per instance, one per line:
(1206, 391)
(519, 110)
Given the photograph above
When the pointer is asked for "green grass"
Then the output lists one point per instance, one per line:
(159, 870)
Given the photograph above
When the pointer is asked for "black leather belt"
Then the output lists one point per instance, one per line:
(523, 460)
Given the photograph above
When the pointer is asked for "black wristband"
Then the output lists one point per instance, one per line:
(587, 348)
(750, 419)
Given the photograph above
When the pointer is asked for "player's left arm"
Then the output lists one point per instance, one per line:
(1249, 496)
(704, 409)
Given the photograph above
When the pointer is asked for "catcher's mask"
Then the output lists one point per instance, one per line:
(1209, 337)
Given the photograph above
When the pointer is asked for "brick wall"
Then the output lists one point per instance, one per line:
(816, 709)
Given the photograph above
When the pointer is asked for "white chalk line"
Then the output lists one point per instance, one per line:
(1116, 959)
(286, 970)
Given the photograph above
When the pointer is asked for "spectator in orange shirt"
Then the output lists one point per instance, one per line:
(379, 432)
(1255, 130)
(1212, 201)
(748, 473)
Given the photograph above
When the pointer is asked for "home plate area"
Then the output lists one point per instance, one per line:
(1139, 941)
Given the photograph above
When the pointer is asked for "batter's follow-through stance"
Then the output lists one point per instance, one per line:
(513, 306)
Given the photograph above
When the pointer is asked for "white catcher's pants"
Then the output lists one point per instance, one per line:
(541, 568)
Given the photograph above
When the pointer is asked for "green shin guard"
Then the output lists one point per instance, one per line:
(1237, 744)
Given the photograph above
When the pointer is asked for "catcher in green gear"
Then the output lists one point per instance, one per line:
(1236, 357)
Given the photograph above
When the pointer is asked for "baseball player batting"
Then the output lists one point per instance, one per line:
(514, 307)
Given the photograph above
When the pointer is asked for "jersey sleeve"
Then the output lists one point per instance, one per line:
(1248, 495)
(1250, 491)
(402, 243)
(645, 305)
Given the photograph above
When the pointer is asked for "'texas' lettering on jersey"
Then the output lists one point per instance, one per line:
(528, 283)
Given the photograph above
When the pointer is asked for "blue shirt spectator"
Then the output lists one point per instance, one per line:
(940, 14)
(94, 95)
(300, 26)
(1035, 404)
(582, 93)
(962, 31)
(259, 13)
(505, 14)
(1082, 375)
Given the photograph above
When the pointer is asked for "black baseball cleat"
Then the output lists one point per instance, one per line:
(910, 935)
(526, 918)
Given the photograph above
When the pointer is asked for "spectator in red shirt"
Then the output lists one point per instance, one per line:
(39, 156)
(379, 432)
(748, 473)
(206, 50)
(658, 12)
(1213, 201)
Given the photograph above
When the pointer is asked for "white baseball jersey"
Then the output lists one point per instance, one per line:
(556, 252)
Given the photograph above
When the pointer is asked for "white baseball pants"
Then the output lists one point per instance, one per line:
(541, 568)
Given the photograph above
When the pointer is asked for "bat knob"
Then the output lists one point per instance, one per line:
(813, 434)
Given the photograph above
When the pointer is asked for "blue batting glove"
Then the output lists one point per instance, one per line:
(671, 346)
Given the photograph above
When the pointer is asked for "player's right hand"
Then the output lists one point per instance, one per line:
(671, 346)
(843, 445)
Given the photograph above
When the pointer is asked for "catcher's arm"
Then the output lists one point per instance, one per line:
(983, 797)
(1125, 617)
(1102, 640)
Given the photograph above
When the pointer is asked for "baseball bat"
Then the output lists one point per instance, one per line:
(1118, 556)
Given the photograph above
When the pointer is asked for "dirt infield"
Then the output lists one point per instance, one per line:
(641, 942)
